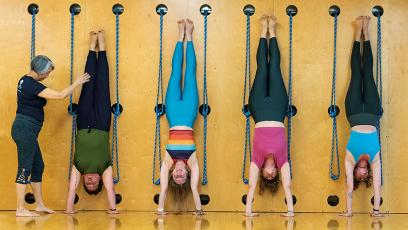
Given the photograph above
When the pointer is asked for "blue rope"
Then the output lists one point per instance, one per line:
(335, 144)
(379, 85)
(290, 92)
(157, 140)
(32, 51)
(205, 103)
(71, 111)
(116, 111)
(245, 111)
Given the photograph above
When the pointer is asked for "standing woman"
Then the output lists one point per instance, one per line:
(180, 167)
(268, 103)
(31, 98)
(362, 163)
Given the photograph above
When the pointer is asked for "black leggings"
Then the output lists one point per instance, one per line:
(362, 95)
(94, 106)
(268, 99)
(25, 131)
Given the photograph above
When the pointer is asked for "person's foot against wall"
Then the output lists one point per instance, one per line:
(366, 23)
(264, 24)
(101, 40)
(272, 26)
(358, 28)
(189, 29)
(182, 29)
(94, 41)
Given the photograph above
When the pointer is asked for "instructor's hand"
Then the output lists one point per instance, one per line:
(83, 79)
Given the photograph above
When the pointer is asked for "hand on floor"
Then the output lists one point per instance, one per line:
(346, 214)
(252, 214)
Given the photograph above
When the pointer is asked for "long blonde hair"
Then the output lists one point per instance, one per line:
(179, 191)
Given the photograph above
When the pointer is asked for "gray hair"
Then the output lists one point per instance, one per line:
(41, 64)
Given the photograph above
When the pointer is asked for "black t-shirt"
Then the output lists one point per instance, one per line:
(28, 101)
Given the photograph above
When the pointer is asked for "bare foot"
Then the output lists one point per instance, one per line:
(113, 212)
(264, 21)
(359, 22)
(94, 41)
(189, 29)
(264, 24)
(182, 27)
(366, 23)
(359, 27)
(101, 40)
(272, 25)
(42, 208)
(70, 212)
(26, 213)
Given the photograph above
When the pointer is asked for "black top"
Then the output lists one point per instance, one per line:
(28, 101)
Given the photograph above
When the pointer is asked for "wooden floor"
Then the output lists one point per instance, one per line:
(213, 220)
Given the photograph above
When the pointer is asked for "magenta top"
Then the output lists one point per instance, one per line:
(270, 141)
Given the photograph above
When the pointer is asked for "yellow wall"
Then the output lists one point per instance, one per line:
(312, 58)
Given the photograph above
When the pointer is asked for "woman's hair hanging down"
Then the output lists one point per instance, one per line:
(271, 185)
(96, 191)
(179, 191)
(368, 181)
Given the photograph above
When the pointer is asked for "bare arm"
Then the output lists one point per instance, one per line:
(253, 179)
(195, 175)
(286, 183)
(53, 94)
(107, 178)
(164, 181)
(73, 184)
(349, 167)
(376, 168)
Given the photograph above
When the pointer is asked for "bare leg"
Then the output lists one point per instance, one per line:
(21, 211)
(37, 188)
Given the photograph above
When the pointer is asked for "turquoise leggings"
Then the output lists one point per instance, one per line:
(182, 105)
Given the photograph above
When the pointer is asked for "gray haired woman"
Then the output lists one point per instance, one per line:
(31, 98)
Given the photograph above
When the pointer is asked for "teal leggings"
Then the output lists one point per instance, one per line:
(182, 106)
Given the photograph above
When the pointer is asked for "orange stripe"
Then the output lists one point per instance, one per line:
(181, 142)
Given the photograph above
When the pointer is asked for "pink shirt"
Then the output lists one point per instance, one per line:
(270, 141)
